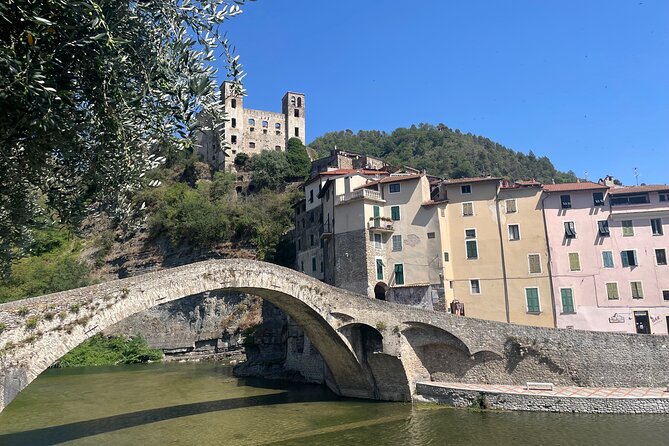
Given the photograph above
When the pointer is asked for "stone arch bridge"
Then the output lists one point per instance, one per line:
(372, 349)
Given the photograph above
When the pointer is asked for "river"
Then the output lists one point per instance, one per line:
(203, 404)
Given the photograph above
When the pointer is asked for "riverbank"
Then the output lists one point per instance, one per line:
(591, 400)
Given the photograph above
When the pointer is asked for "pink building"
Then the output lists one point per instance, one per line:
(608, 256)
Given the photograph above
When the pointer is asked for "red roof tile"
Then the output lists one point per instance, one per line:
(391, 179)
(638, 189)
(350, 171)
(564, 187)
(470, 180)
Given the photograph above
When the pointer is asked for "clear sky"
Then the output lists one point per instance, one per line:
(584, 82)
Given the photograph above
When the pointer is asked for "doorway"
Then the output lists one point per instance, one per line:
(380, 291)
(642, 322)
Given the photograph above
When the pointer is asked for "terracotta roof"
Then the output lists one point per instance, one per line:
(520, 184)
(471, 180)
(350, 171)
(638, 189)
(564, 187)
(434, 202)
(391, 179)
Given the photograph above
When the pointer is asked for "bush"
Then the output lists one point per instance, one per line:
(100, 350)
(270, 170)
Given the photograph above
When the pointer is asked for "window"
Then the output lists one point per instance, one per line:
(603, 227)
(661, 256)
(628, 228)
(265, 124)
(313, 263)
(431, 235)
(395, 213)
(472, 249)
(399, 274)
(233, 139)
(629, 258)
(378, 241)
(598, 198)
(612, 291)
(299, 244)
(532, 297)
(567, 296)
(277, 126)
(299, 101)
(311, 239)
(475, 286)
(379, 269)
(321, 266)
(446, 256)
(397, 242)
(629, 199)
(665, 294)
(393, 188)
(565, 201)
(470, 233)
(296, 112)
(534, 261)
(302, 265)
(607, 259)
(637, 290)
(252, 121)
(233, 103)
(467, 209)
(514, 232)
(574, 261)
(297, 131)
(252, 145)
(656, 225)
(277, 148)
(569, 229)
(292, 101)
(466, 189)
(233, 123)
(510, 206)
(311, 196)
(664, 197)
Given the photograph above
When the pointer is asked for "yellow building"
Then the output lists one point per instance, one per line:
(495, 252)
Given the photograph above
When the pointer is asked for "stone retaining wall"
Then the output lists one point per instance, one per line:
(538, 403)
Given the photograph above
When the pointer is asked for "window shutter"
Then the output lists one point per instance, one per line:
(574, 261)
(535, 263)
(624, 258)
(532, 295)
(567, 300)
(612, 291)
(636, 262)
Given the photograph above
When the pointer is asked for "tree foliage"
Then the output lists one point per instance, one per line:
(270, 169)
(444, 152)
(112, 350)
(94, 93)
(298, 159)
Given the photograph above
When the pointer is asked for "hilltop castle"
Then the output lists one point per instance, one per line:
(252, 131)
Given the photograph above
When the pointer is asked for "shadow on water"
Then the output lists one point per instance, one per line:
(72, 431)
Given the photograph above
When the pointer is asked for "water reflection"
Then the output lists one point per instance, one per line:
(203, 404)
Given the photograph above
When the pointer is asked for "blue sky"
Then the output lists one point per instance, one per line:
(583, 82)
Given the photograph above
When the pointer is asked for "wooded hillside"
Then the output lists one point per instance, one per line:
(443, 152)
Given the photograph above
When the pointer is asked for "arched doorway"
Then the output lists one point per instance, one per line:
(380, 291)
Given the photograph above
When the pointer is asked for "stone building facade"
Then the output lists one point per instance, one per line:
(251, 131)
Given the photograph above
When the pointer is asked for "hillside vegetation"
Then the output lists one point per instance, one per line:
(443, 152)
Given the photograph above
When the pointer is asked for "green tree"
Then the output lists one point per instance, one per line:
(298, 158)
(270, 169)
(94, 93)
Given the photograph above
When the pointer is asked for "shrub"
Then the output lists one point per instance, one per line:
(101, 350)
(32, 322)
(3, 326)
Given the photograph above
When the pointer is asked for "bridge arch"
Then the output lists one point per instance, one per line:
(38, 331)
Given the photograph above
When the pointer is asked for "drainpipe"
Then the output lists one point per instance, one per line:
(501, 248)
(550, 262)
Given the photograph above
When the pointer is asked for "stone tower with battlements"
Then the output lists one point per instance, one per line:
(252, 131)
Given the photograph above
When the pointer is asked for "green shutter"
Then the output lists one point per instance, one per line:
(624, 258)
(399, 274)
(608, 259)
(532, 295)
(395, 213)
(612, 291)
(379, 269)
(567, 300)
(472, 249)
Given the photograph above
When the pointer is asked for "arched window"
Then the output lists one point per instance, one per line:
(299, 102)
(277, 126)
(292, 101)
(265, 124)
(252, 121)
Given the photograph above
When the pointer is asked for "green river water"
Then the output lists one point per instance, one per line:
(203, 404)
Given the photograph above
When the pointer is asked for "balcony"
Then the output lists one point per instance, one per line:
(325, 230)
(380, 225)
(359, 195)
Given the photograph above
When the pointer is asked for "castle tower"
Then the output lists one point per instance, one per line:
(234, 108)
(293, 108)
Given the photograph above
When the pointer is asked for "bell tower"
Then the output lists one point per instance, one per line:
(293, 107)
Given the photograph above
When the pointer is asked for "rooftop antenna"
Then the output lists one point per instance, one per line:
(636, 175)
(585, 175)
